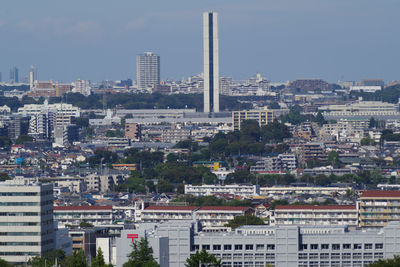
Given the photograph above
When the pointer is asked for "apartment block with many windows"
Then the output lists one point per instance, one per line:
(26, 220)
(378, 208)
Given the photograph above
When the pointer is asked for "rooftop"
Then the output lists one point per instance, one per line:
(73, 208)
(380, 193)
(315, 207)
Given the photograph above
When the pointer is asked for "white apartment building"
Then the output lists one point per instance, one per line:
(57, 108)
(366, 88)
(361, 108)
(83, 87)
(74, 215)
(217, 216)
(26, 220)
(209, 216)
(280, 190)
(159, 214)
(233, 189)
(315, 215)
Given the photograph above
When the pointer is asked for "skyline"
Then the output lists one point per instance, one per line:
(317, 39)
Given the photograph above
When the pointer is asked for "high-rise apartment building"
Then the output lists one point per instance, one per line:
(26, 220)
(32, 77)
(14, 77)
(211, 62)
(147, 70)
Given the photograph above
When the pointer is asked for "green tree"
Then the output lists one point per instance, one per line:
(49, 259)
(164, 186)
(84, 224)
(77, 259)
(4, 176)
(4, 263)
(244, 220)
(23, 138)
(98, 261)
(141, 255)
(395, 262)
(333, 158)
(202, 259)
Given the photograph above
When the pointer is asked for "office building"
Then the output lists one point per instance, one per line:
(262, 116)
(32, 77)
(211, 62)
(14, 76)
(40, 126)
(259, 245)
(147, 70)
(26, 220)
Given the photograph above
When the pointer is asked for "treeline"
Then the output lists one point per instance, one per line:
(147, 101)
(389, 94)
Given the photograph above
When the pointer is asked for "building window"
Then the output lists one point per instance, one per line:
(271, 247)
(314, 264)
(356, 255)
(368, 256)
(237, 256)
(227, 247)
(303, 256)
(324, 256)
(216, 247)
(314, 246)
(313, 255)
(325, 246)
(206, 247)
(346, 246)
(368, 246)
(335, 246)
(378, 255)
(379, 246)
(226, 256)
(357, 246)
(249, 247)
(226, 264)
(303, 247)
(259, 256)
(260, 247)
(335, 255)
(238, 247)
(237, 264)
(346, 255)
(270, 256)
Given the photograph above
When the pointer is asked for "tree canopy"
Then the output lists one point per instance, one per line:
(202, 259)
(141, 255)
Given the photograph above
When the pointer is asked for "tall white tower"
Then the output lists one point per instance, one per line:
(211, 62)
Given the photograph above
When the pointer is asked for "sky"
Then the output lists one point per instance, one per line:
(281, 39)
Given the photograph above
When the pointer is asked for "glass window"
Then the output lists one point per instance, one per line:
(238, 247)
(260, 247)
(335, 246)
(206, 247)
(357, 246)
(271, 247)
(314, 246)
(346, 246)
(249, 247)
(216, 247)
(379, 246)
(227, 247)
(368, 246)
(325, 246)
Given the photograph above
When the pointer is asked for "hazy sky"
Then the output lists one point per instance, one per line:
(282, 39)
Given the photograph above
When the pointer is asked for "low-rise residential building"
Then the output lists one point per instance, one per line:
(233, 189)
(175, 135)
(378, 208)
(280, 164)
(157, 214)
(327, 170)
(74, 215)
(215, 216)
(311, 190)
(263, 117)
(315, 215)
